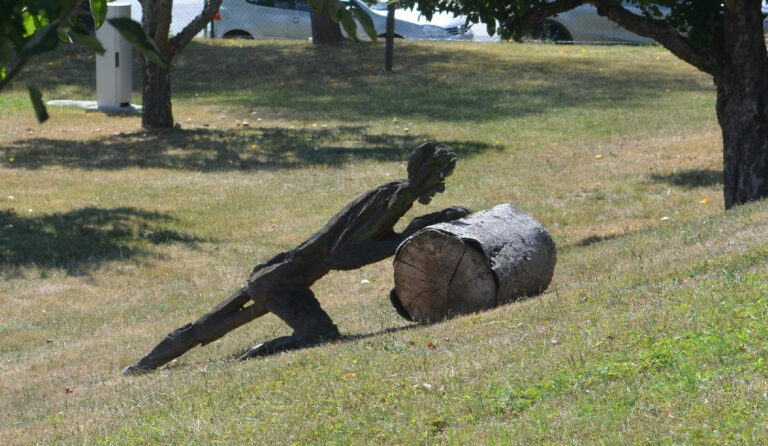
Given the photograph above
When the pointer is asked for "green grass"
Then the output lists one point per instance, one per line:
(653, 330)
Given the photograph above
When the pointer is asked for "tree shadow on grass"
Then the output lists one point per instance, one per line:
(691, 179)
(205, 149)
(457, 83)
(452, 82)
(82, 239)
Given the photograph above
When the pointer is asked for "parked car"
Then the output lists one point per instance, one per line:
(582, 24)
(290, 19)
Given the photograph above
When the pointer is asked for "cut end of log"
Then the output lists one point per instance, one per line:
(438, 275)
(490, 258)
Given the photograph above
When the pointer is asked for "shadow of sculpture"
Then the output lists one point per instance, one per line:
(207, 149)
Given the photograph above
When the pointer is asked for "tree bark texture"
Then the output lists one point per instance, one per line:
(324, 29)
(488, 259)
(361, 233)
(742, 105)
(156, 110)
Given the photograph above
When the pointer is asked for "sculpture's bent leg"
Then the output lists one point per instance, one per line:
(224, 318)
(301, 311)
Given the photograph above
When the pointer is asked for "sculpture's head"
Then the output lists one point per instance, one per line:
(428, 167)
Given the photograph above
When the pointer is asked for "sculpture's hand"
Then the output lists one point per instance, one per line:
(446, 215)
(454, 213)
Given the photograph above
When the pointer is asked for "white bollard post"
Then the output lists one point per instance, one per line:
(114, 87)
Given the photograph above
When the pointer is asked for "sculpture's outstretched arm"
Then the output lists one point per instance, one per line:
(361, 254)
(448, 214)
(353, 256)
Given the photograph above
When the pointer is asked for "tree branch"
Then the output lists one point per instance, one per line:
(163, 30)
(663, 33)
(179, 41)
(540, 12)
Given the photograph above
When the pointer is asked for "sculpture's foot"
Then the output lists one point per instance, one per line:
(285, 343)
(138, 369)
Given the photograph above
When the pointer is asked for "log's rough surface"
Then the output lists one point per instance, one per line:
(487, 259)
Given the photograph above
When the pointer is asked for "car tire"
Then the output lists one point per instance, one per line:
(551, 31)
(237, 34)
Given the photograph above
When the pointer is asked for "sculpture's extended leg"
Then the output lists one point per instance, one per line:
(302, 312)
(224, 318)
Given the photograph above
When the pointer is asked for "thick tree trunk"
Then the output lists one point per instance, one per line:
(324, 29)
(156, 110)
(155, 79)
(742, 105)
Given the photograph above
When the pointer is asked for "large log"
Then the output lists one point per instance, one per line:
(487, 259)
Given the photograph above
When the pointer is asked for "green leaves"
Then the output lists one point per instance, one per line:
(87, 40)
(346, 14)
(37, 103)
(334, 7)
(99, 12)
(348, 22)
(44, 40)
(365, 22)
(133, 33)
(33, 21)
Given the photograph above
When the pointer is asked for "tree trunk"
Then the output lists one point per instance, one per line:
(324, 29)
(156, 112)
(742, 105)
(473, 264)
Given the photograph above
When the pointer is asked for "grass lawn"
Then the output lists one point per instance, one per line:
(653, 330)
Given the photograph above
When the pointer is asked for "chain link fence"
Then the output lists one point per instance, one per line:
(276, 19)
